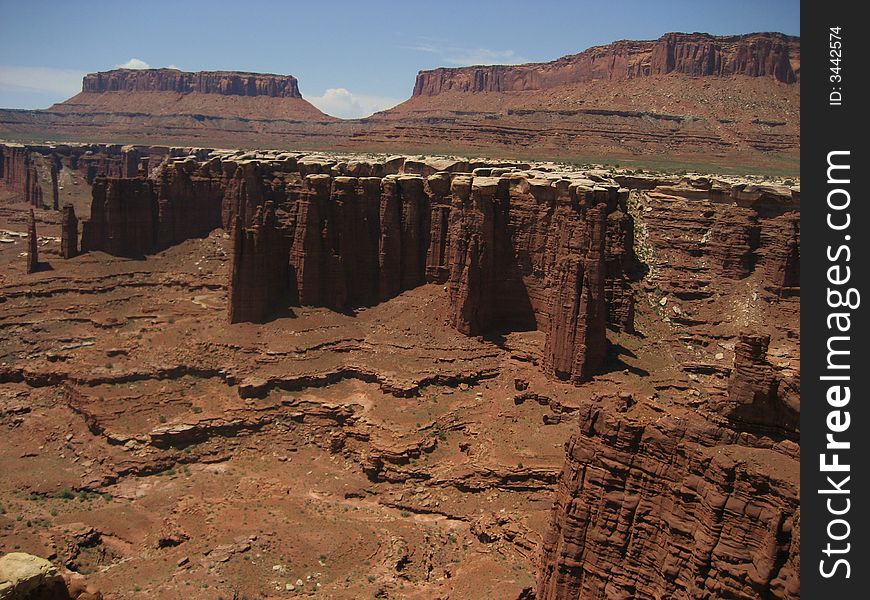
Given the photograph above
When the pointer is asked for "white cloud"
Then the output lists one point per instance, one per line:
(463, 56)
(340, 102)
(483, 56)
(64, 82)
(134, 63)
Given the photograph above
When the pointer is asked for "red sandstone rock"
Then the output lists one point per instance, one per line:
(189, 202)
(69, 232)
(753, 55)
(259, 273)
(123, 217)
(620, 259)
(227, 83)
(781, 266)
(390, 242)
(437, 270)
(307, 262)
(715, 520)
(471, 283)
(576, 340)
(32, 248)
(754, 397)
(19, 173)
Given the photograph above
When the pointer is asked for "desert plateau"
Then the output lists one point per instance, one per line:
(533, 333)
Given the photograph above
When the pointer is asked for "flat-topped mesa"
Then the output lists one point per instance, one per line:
(225, 83)
(773, 55)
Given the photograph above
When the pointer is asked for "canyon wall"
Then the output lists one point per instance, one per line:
(689, 489)
(513, 248)
(259, 271)
(770, 55)
(692, 490)
(18, 174)
(672, 507)
(50, 176)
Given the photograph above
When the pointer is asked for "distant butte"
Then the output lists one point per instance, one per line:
(772, 55)
(174, 92)
(685, 99)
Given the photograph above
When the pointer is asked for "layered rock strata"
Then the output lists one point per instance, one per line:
(516, 249)
(512, 247)
(575, 345)
(672, 507)
(123, 217)
(782, 267)
(755, 55)
(226, 83)
(260, 273)
(759, 399)
(19, 174)
(693, 491)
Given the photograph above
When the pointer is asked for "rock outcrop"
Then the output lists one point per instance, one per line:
(472, 261)
(32, 244)
(191, 96)
(259, 278)
(28, 577)
(123, 217)
(25, 576)
(672, 507)
(18, 172)
(516, 249)
(782, 264)
(755, 55)
(758, 398)
(357, 241)
(674, 98)
(69, 232)
(576, 340)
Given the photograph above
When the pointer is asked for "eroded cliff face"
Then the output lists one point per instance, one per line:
(123, 217)
(32, 244)
(760, 398)
(681, 478)
(691, 490)
(207, 98)
(18, 172)
(756, 55)
(51, 176)
(513, 248)
(69, 232)
(259, 275)
(669, 505)
(227, 83)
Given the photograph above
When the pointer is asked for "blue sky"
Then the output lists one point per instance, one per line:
(351, 58)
